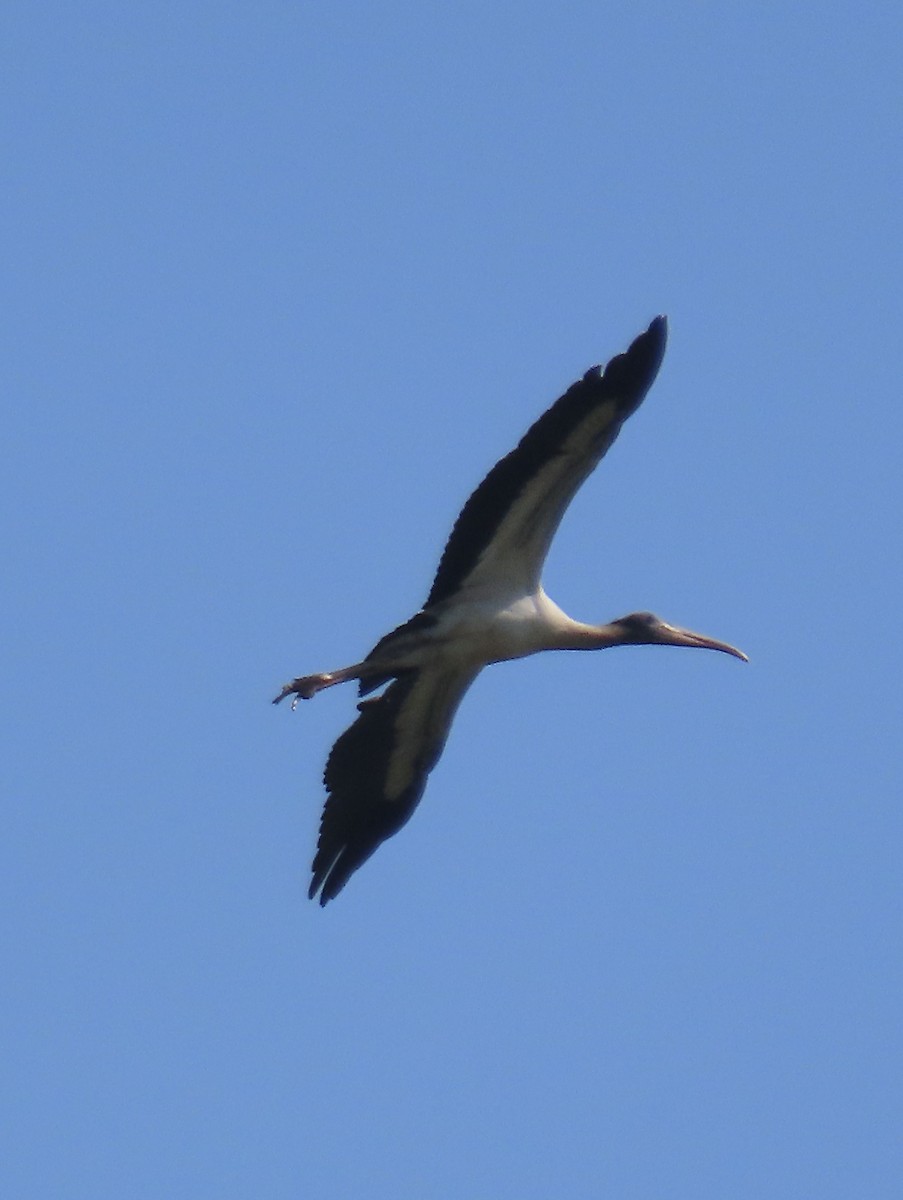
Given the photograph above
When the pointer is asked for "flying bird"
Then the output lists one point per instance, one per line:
(486, 605)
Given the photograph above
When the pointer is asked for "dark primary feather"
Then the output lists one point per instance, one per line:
(356, 817)
(394, 744)
(625, 380)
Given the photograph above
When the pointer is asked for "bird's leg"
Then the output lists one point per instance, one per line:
(307, 686)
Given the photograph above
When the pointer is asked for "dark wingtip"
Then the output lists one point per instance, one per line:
(646, 352)
(657, 336)
(320, 884)
(328, 884)
(322, 876)
(630, 375)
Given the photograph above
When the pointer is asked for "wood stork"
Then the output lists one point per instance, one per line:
(486, 605)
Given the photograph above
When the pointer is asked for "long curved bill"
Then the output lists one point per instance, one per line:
(673, 635)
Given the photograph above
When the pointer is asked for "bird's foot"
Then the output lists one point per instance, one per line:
(304, 688)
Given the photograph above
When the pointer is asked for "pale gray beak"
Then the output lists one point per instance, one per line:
(672, 635)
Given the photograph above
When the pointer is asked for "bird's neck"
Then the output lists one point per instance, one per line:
(579, 636)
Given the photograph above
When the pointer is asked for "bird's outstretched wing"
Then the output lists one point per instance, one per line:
(505, 528)
(377, 770)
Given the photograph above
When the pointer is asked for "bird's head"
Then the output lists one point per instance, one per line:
(646, 629)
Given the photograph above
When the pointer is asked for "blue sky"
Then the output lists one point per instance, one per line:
(282, 283)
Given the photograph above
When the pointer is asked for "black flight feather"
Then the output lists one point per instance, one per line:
(357, 817)
(625, 379)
